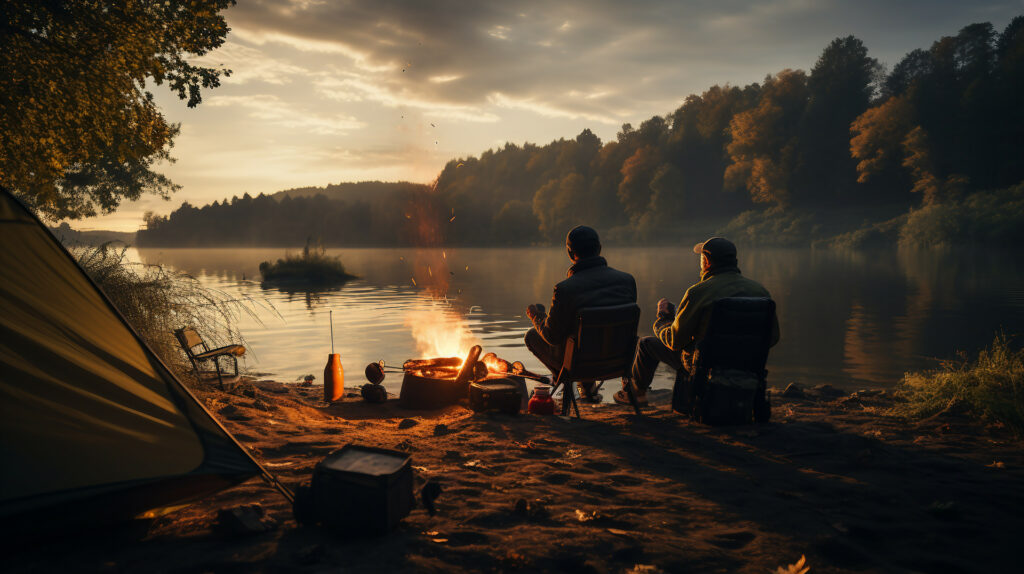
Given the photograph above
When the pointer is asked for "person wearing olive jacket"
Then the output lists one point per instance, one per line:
(677, 333)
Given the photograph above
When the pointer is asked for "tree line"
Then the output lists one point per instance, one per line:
(944, 123)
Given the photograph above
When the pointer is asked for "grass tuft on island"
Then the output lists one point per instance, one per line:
(312, 268)
(989, 388)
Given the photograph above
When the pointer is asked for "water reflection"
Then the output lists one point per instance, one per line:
(847, 318)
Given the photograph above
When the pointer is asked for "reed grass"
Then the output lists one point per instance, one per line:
(989, 388)
(156, 300)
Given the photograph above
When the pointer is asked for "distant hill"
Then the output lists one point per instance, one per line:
(361, 213)
(97, 237)
(353, 191)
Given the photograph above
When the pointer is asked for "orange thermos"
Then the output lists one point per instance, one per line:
(334, 379)
(334, 374)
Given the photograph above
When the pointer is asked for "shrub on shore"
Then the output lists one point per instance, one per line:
(774, 226)
(876, 235)
(992, 217)
(312, 267)
(989, 388)
(156, 300)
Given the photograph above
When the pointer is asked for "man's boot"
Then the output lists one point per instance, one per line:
(622, 397)
(588, 392)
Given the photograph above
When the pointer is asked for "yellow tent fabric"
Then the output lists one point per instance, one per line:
(86, 410)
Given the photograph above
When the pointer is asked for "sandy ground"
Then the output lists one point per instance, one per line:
(831, 477)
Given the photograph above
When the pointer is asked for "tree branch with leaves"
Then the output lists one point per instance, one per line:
(82, 132)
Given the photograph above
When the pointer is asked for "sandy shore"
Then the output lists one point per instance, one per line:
(831, 478)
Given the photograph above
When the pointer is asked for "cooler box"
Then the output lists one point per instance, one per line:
(362, 489)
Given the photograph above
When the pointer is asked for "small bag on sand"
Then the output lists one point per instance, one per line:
(724, 397)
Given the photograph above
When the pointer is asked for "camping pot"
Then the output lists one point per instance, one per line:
(334, 379)
(423, 392)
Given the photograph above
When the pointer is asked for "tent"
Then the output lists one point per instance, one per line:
(93, 426)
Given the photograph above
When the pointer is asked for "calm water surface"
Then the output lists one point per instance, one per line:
(851, 319)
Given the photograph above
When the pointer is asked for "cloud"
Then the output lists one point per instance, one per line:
(251, 65)
(547, 110)
(537, 53)
(358, 88)
(274, 110)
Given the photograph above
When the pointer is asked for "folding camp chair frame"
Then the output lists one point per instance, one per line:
(189, 339)
(618, 321)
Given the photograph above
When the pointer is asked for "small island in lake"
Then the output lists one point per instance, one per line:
(312, 268)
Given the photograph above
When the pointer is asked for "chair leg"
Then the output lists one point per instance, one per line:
(568, 388)
(568, 395)
(554, 389)
(220, 379)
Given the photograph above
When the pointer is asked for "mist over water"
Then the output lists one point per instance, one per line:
(851, 319)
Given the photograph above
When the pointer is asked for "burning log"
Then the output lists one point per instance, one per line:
(469, 366)
(420, 364)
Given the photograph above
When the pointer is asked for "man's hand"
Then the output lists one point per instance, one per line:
(535, 311)
(665, 307)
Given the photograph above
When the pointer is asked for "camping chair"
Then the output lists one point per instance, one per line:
(736, 342)
(190, 340)
(601, 348)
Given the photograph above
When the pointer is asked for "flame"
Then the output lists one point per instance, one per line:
(440, 334)
(496, 364)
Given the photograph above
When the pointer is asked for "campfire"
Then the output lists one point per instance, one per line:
(433, 383)
(453, 362)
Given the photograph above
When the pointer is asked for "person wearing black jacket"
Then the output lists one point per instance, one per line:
(590, 282)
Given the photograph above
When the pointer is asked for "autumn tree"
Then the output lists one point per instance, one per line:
(697, 143)
(81, 131)
(764, 147)
(877, 139)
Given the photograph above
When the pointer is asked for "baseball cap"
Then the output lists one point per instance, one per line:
(716, 249)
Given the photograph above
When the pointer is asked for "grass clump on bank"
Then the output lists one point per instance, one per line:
(312, 267)
(989, 388)
(156, 300)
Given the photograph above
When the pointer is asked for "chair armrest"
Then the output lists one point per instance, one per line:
(236, 350)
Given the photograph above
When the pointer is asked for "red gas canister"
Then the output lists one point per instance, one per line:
(541, 402)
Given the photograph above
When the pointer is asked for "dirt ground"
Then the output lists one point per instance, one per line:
(830, 478)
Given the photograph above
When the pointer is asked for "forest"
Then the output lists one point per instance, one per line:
(848, 154)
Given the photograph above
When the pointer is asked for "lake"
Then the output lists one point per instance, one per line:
(851, 319)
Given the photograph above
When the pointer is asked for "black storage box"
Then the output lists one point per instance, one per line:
(362, 489)
(503, 395)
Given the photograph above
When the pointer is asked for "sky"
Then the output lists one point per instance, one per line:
(327, 91)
